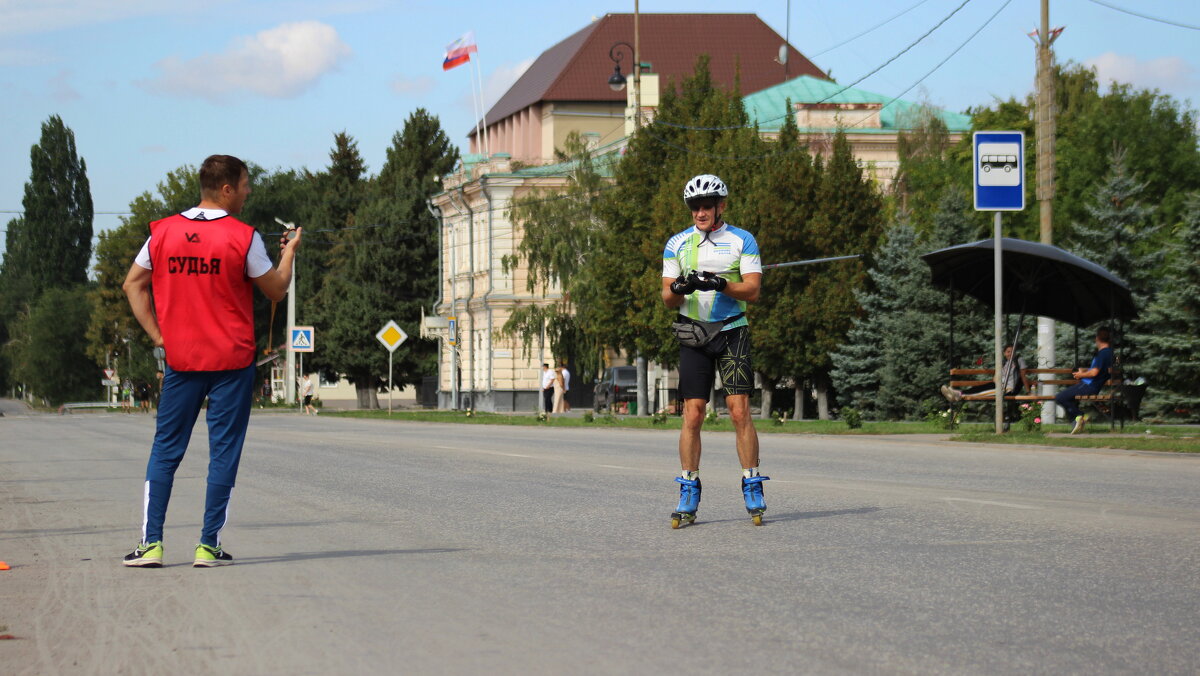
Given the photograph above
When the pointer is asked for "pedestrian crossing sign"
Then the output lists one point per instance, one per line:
(302, 339)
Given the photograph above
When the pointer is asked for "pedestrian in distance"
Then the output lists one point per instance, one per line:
(203, 265)
(547, 389)
(559, 388)
(711, 271)
(307, 390)
(566, 374)
(143, 395)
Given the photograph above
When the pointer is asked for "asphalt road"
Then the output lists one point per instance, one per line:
(368, 547)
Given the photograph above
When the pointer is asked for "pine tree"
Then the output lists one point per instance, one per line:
(1118, 238)
(898, 352)
(1168, 330)
(848, 220)
(381, 270)
(777, 210)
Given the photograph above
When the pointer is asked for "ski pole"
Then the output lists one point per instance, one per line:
(811, 261)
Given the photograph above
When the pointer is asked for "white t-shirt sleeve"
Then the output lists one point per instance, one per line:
(257, 261)
(143, 257)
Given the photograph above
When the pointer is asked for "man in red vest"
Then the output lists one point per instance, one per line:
(202, 265)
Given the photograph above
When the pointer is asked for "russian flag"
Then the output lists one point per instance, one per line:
(459, 51)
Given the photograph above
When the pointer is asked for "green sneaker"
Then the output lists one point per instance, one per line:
(208, 557)
(1080, 422)
(146, 555)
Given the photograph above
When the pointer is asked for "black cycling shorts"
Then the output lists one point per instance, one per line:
(729, 352)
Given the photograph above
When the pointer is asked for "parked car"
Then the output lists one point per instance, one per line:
(619, 383)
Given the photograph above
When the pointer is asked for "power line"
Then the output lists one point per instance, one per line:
(878, 68)
(872, 28)
(1146, 16)
(890, 102)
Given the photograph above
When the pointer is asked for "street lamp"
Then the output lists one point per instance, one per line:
(617, 81)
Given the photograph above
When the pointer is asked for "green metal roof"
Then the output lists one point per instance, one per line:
(769, 106)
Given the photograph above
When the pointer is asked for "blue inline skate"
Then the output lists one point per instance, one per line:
(752, 490)
(689, 501)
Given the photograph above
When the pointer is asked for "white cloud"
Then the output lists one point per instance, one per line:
(416, 86)
(1171, 74)
(501, 79)
(25, 17)
(280, 62)
(18, 56)
(61, 89)
(497, 83)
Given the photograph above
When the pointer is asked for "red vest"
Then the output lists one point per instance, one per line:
(202, 296)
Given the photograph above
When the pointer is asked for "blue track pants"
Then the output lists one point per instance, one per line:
(229, 396)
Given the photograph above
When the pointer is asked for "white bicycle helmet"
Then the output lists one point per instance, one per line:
(704, 185)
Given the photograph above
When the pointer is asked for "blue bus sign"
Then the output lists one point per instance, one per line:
(999, 169)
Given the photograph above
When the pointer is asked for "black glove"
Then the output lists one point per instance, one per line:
(706, 281)
(682, 286)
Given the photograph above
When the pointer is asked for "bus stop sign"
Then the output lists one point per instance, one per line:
(999, 169)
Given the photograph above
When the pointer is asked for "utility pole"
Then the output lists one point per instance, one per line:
(637, 66)
(1046, 128)
(643, 394)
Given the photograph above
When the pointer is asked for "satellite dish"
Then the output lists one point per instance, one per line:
(783, 53)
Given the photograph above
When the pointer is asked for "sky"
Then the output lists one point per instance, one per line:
(151, 85)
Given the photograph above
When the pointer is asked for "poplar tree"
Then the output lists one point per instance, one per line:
(49, 246)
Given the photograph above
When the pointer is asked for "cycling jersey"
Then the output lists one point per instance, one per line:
(729, 252)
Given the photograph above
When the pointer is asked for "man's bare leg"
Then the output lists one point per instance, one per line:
(747, 435)
(689, 436)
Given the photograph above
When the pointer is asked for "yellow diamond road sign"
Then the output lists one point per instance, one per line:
(391, 335)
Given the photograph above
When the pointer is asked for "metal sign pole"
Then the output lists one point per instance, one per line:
(996, 260)
(390, 353)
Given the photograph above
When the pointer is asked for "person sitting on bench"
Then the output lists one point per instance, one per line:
(1090, 379)
(1013, 377)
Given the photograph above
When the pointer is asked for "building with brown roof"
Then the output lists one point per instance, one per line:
(566, 89)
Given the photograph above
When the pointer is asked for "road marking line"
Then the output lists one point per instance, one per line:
(618, 467)
(991, 502)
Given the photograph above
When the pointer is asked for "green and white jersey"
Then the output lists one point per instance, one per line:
(729, 252)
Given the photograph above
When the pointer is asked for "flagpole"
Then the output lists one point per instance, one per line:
(479, 141)
(482, 110)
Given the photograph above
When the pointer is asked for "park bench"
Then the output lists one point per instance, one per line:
(1114, 401)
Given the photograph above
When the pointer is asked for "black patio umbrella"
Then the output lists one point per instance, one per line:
(1038, 279)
